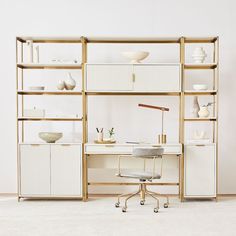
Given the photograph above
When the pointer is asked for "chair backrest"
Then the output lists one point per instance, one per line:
(147, 152)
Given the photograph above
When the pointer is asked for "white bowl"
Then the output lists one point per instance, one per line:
(36, 88)
(200, 86)
(135, 57)
(50, 137)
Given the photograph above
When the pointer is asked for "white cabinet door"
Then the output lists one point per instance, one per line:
(109, 77)
(157, 78)
(200, 171)
(66, 174)
(34, 169)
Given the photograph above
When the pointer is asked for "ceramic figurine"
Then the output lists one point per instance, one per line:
(29, 44)
(70, 83)
(196, 107)
(61, 85)
(199, 55)
(199, 134)
(37, 54)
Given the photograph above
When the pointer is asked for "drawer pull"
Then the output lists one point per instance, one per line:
(109, 146)
(34, 145)
(133, 77)
(65, 145)
(200, 145)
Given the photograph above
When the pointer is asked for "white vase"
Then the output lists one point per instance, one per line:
(204, 112)
(70, 83)
(29, 44)
(61, 85)
(196, 107)
(199, 55)
(36, 54)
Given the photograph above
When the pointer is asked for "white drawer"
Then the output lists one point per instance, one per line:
(127, 149)
(171, 149)
(108, 149)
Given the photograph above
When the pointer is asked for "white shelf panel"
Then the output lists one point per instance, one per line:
(45, 92)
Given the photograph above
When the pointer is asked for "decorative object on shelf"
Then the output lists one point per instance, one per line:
(99, 134)
(200, 87)
(34, 112)
(37, 54)
(29, 45)
(61, 85)
(37, 88)
(162, 136)
(199, 134)
(204, 112)
(105, 141)
(199, 55)
(111, 133)
(196, 107)
(74, 61)
(50, 137)
(70, 82)
(135, 57)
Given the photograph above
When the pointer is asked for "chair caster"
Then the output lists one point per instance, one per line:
(117, 204)
(124, 209)
(142, 202)
(166, 205)
(156, 210)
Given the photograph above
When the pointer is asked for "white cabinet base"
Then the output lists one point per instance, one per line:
(200, 171)
(50, 171)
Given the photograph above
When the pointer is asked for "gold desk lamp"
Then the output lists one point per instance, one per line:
(162, 136)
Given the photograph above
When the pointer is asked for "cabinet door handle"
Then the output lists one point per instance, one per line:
(200, 145)
(133, 77)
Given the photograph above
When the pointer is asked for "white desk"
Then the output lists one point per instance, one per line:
(126, 148)
(92, 149)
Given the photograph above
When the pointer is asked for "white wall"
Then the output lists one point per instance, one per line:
(118, 18)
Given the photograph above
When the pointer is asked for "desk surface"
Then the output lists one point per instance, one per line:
(127, 148)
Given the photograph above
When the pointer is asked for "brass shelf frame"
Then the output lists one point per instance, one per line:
(20, 92)
(85, 41)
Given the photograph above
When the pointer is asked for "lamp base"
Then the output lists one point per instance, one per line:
(162, 138)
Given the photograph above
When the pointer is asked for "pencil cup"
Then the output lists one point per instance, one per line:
(100, 137)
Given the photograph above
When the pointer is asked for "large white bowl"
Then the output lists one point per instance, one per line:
(50, 137)
(135, 57)
(200, 86)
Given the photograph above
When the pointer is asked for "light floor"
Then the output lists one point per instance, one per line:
(98, 216)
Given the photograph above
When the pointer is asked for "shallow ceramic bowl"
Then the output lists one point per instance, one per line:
(200, 86)
(50, 137)
(36, 88)
(135, 57)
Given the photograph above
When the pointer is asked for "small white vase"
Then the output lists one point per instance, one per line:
(70, 83)
(29, 44)
(199, 55)
(196, 107)
(61, 85)
(204, 112)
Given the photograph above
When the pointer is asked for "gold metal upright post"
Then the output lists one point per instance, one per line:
(181, 119)
(84, 107)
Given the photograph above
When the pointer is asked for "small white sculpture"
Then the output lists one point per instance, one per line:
(199, 134)
(70, 83)
(61, 85)
(37, 54)
(196, 107)
(199, 55)
(29, 44)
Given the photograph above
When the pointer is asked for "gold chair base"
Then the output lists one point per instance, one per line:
(143, 192)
